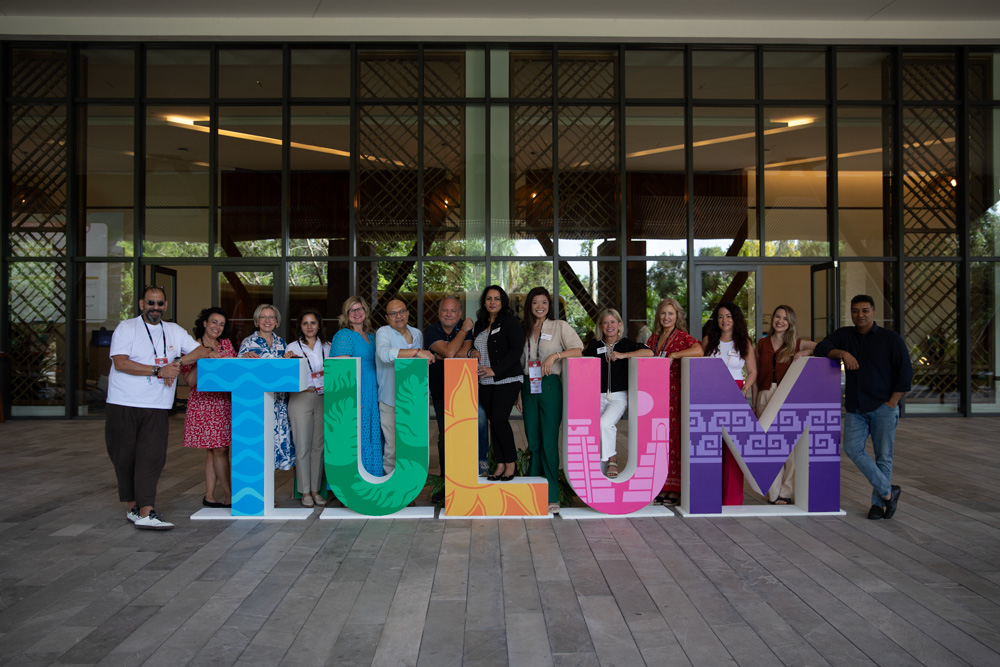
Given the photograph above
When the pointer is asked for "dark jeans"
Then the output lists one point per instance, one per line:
(136, 439)
(498, 400)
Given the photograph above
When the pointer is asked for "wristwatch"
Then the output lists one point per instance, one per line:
(156, 371)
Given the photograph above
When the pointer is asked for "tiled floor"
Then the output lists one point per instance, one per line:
(79, 585)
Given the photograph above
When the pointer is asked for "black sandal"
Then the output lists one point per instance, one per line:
(781, 500)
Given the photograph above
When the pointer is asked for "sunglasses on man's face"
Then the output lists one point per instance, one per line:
(150, 302)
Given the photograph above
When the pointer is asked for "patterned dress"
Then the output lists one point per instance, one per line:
(208, 415)
(349, 343)
(284, 450)
(677, 341)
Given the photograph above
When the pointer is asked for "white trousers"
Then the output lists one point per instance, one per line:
(612, 410)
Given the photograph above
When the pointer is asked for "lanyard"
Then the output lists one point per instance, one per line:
(666, 343)
(305, 353)
(151, 339)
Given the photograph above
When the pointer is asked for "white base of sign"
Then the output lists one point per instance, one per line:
(741, 511)
(419, 512)
(273, 514)
(444, 515)
(655, 511)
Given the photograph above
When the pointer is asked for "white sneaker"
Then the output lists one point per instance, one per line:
(153, 522)
(132, 514)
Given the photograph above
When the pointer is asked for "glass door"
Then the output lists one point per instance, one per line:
(824, 289)
(716, 283)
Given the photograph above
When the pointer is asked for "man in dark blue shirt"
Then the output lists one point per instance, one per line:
(878, 375)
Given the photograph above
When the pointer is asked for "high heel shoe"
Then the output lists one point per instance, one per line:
(507, 478)
(497, 475)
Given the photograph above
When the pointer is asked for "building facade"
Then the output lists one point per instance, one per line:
(613, 174)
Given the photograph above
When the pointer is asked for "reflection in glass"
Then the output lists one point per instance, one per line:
(37, 319)
(929, 76)
(874, 279)
(249, 182)
(795, 216)
(105, 150)
(725, 182)
(317, 284)
(983, 69)
(38, 181)
(654, 74)
(378, 282)
(588, 74)
(648, 284)
(177, 182)
(723, 74)
(864, 75)
(240, 292)
(531, 74)
(522, 201)
(38, 72)
(104, 299)
(107, 72)
(589, 192)
(932, 335)
(794, 75)
(929, 182)
(387, 194)
(321, 72)
(388, 73)
(517, 278)
(739, 287)
(655, 206)
(319, 218)
(451, 183)
(985, 352)
(465, 280)
(587, 287)
(984, 183)
(864, 166)
(250, 73)
(177, 73)
(444, 73)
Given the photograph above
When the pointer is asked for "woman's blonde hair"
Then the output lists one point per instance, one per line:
(260, 309)
(600, 318)
(344, 319)
(680, 323)
(788, 340)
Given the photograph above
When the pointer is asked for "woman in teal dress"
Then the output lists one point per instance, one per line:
(356, 339)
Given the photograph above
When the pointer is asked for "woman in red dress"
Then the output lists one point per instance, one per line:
(207, 419)
(670, 339)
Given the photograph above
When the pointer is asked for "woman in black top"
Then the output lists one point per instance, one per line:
(497, 343)
(614, 350)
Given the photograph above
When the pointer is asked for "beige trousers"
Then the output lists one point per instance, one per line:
(784, 484)
(305, 415)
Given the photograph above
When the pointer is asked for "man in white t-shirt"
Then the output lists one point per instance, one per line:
(146, 355)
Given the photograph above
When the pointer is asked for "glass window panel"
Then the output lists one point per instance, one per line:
(984, 76)
(795, 215)
(739, 287)
(321, 181)
(177, 73)
(249, 73)
(317, 284)
(37, 319)
(240, 292)
(521, 202)
(107, 72)
(723, 74)
(985, 344)
(929, 182)
(655, 205)
(649, 283)
(589, 190)
(454, 195)
(795, 75)
(864, 167)
(874, 279)
(321, 73)
(588, 74)
(249, 182)
(105, 298)
(177, 182)
(725, 182)
(106, 192)
(378, 282)
(518, 278)
(531, 74)
(932, 336)
(654, 74)
(38, 72)
(585, 289)
(387, 73)
(864, 75)
(929, 76)
(444, 73)
(38, 181)
(387, 193)
(984, 182)
(466, 280)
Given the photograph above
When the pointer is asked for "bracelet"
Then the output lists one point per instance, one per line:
(559, 356)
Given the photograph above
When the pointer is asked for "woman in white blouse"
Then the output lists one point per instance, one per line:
(305, 409)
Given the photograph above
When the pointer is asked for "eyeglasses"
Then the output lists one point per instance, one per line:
(397, 313)
(151, 302)
(355, 311)
(267, 317)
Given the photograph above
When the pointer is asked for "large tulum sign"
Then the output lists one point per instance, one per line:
(801, 421)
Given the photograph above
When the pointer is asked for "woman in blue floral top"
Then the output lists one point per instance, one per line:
(265, 344)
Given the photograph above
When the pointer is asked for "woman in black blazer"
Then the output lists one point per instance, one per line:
(498, 341)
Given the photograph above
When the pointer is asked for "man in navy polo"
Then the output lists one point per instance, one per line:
(878, 375)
